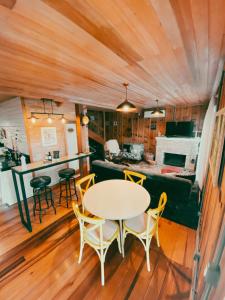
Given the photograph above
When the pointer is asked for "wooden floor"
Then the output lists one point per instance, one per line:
(12, 232)
(47, 267)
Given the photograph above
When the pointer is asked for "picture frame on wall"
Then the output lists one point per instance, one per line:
(48, 136)
(216, 156)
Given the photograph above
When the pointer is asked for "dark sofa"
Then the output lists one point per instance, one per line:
(182, 204)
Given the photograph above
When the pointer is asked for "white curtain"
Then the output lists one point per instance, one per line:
(206, 140)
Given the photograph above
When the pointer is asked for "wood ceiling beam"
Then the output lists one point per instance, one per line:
(8, 3)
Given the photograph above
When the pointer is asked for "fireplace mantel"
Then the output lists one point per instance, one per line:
(177, 145)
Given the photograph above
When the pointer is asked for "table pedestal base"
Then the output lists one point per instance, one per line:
(121, 236)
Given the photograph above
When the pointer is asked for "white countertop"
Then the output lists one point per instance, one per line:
(46, 164)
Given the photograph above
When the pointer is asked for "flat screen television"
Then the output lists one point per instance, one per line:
(180, 129)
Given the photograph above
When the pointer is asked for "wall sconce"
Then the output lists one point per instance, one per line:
(84, 119)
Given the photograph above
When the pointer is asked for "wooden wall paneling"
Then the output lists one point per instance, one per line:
(140, 128)
(211, 223)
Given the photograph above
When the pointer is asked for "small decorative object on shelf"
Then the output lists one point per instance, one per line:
(56, 154)
(49, 156)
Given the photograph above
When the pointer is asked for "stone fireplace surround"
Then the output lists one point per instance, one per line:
(177, 145)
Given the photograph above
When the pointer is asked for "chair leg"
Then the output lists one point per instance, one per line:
(102, 270)
(119, 244)
(147, 247)
(123, 241)
(157, 235)
(147, 259)
(81, 247)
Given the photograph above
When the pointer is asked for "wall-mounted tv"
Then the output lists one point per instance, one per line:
(180, 129)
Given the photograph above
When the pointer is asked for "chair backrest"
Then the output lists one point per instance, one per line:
(112, 146)
(82, 219)
(156, 212)
(134, 177)
(84, 183)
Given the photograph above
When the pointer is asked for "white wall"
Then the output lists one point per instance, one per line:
(11, 119)
(205, 146)
(71, 143)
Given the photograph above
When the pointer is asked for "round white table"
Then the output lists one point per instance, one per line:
(116, 200)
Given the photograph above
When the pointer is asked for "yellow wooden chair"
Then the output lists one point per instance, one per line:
(145, 226)
(83, 185)
(134, 177)
(97, 233)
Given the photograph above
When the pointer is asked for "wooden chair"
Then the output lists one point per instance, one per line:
(131, 176)
(83, 185)
(145, 226)
(97, 233)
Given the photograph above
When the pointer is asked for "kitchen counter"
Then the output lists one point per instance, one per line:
(21, 172)
(40, 165)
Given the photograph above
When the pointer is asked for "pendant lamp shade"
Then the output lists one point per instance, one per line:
(126, 106)
(157, 112)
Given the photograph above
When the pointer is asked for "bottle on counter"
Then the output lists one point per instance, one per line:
(49, 156)
(23, 162)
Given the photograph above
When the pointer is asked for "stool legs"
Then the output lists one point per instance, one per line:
(67, 198)
(46, 198)
(39, 203)
(52, 201)
(37, 193)
(74, 186)
(68, 193)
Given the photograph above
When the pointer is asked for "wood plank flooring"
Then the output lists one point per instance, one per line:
(48, 268)
(14, 234)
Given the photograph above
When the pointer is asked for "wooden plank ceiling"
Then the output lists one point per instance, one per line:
(83, 51)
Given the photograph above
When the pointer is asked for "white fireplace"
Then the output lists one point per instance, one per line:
(181, 146)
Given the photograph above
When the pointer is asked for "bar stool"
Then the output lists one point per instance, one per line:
(66, 176)
(40, 187)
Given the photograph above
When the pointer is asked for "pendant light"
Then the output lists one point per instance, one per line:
(126, 106)
(51, 116)
(157, 112)
(33, 118)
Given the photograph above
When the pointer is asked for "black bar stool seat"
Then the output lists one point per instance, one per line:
(66, 173)
(41, 188)
(40, 182)
(66, 177)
